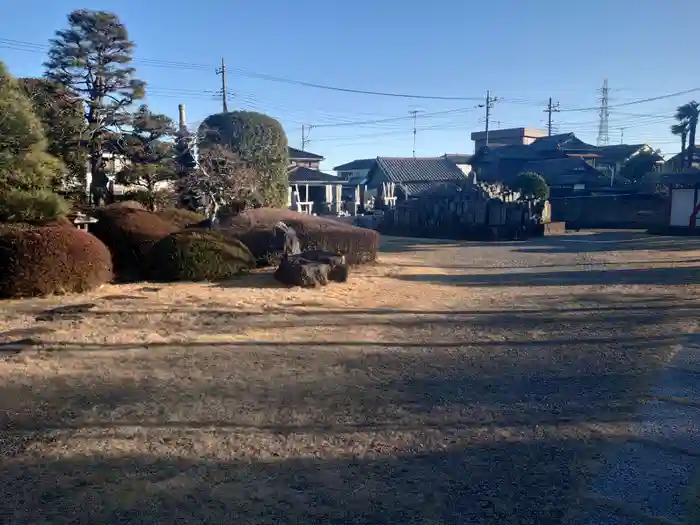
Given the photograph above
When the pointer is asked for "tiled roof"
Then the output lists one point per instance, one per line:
(566, 171)
(563, 142)
(299, 175)
(424, 189)
(301, 154)
(618, 152)
(418, 169)
(458, 158)
(359, 164)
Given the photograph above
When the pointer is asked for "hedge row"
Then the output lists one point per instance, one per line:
(137, 243)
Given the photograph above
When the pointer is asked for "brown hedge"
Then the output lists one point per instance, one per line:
(36, 261)
(198, 255)
(255, 228)
(180, 217)
(134, 205)
(129, 234)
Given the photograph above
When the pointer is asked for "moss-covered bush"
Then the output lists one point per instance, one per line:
(198, 256)
(36, 261)
(129, 234)
(180, 217)
(256, 229)
(32, 206)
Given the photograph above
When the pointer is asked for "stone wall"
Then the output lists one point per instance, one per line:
(611, 211)
(465, 214)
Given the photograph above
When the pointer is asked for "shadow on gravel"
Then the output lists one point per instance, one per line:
(678, 276)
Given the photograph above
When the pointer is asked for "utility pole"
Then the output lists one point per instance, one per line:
(415, 114)
(551, 108)
(622, 135)
(603, 138)
(305, 130)
(222, 71)
(490, 101)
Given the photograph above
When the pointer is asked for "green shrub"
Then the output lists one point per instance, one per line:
(255, 228)
(195, 255)
(32, 206)
(36, 261)
(129, 234)
(180, 217)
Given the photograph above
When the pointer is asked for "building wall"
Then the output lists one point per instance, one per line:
(507, 137)
(347, 174)
(306, 163)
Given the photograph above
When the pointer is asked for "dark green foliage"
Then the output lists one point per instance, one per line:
(37, 261)
(255, 229)
(149, 153)
(637, 167)
(180, 217)
(687, 116)
(25, 163)
(32, 206)
(198, 256)
(129, 233)
(64, 123)
(531, 186)
(98, 74)
(260, 142)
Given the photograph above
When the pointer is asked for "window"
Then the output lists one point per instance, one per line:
(346, 174)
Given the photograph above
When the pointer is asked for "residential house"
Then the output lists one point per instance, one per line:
(506, 137)
(298, 157)
(677, 163)
(461, 160)
(310, 189)
(400, 178)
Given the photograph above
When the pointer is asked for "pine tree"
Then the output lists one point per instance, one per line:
(25, 163)
(91, 58)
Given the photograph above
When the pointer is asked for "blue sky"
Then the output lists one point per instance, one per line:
(524, 52)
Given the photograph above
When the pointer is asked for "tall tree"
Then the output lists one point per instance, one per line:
(688, 115)
(149, 152)
(681, 130)
(91, 58)
(260, 142)
(63, 118)
(638, 167)
(25, 163)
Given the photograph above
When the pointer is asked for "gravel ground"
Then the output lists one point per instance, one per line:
(450, 383)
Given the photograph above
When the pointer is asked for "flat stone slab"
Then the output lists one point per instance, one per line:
(649, 479)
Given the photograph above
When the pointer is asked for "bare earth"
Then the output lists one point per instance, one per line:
(450, 383)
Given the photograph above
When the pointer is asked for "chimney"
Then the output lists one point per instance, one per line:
(182, 121)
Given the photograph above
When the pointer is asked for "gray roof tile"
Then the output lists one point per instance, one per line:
(298, 175)
(358, 164)
(295, 153)
(419, 169)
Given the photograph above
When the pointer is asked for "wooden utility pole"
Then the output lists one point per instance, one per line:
(222, 71)
(305, 130)
(551, 108)
(415, 114)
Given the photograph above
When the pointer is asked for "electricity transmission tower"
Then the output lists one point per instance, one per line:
(551, 108)
(603, 138)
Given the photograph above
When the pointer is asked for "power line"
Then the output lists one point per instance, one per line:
(551, 109)
(640, 101)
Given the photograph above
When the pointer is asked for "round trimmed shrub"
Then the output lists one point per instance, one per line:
(32, 206)
(36, 261)
(198, 256)
(134, 205)
(180, 217)
(255, 228)
(129, 234)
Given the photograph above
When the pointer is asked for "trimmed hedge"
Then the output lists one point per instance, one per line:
(32, 206)
(134, 205)
(255, 229)
(36, 261)
(180, 217)
(198, 256)
(129, 234)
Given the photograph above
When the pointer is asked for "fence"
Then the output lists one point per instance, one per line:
(611, 211)
(467, 213)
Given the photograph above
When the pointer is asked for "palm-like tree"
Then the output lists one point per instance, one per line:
(687, 115)
(681, 130)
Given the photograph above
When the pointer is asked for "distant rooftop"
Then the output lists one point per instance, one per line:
(295, 153)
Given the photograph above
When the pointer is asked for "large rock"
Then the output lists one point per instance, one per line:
(311, 269)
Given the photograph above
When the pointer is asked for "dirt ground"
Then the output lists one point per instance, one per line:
(449, 383)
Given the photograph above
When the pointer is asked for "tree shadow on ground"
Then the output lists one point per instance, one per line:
(458, 485)
(678, 276)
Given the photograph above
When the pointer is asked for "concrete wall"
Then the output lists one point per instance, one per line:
(622, 211)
